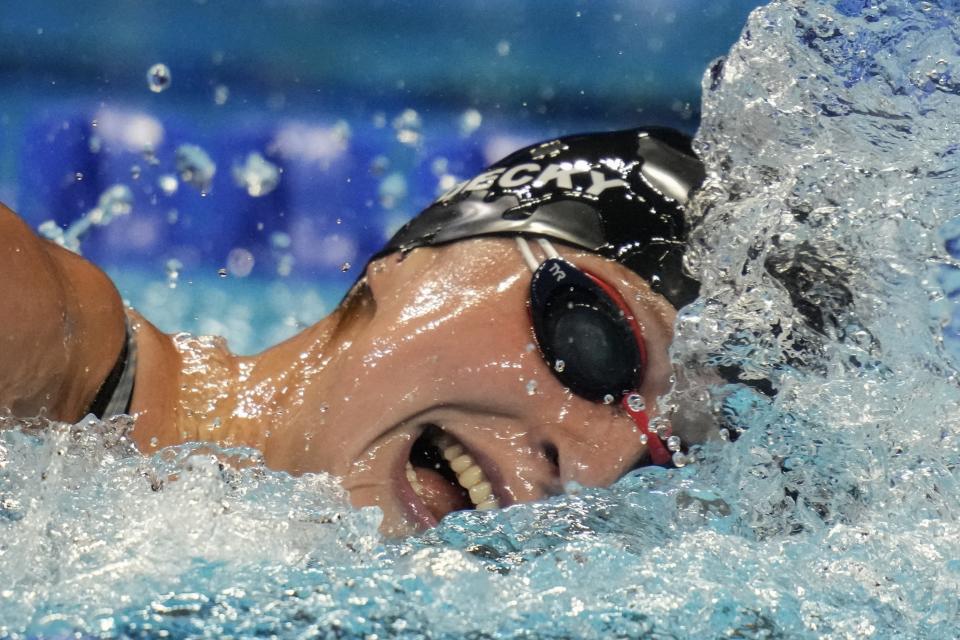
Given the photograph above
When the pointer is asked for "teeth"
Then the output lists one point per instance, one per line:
(413, 480)
(481, 492)
(469, 475)
(461, 463)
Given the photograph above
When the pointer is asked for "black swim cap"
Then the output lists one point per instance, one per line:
(618, 194)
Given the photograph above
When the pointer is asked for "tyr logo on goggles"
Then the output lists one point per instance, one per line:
(588, 337)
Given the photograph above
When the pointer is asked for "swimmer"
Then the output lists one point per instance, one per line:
(510, 339)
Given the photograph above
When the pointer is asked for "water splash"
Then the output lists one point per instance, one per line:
(114, 202)
(829, 137)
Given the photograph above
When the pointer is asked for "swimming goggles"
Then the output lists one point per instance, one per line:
(589, 338)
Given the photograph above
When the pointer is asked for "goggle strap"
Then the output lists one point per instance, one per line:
(659, 454)
(528, 257)
(524, 246)
(548, 248)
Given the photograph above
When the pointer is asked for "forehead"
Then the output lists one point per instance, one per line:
(493, 266)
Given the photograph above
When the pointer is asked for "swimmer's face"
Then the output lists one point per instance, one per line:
(443, 375)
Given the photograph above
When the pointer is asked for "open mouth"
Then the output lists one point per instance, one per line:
(445, 476)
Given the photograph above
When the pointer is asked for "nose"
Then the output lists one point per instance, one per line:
(593, 452)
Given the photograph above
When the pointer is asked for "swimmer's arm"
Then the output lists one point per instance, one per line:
(61, 325)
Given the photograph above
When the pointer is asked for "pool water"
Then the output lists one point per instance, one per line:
(829, 131)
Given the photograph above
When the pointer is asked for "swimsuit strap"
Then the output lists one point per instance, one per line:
(116, 392)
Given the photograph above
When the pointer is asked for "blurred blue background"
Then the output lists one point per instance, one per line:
(328, 123)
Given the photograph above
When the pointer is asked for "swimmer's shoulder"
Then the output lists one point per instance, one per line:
(62, 325)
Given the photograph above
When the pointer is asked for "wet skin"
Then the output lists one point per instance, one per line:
(439, 337)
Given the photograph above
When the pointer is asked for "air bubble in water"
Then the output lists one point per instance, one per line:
(559, 366)
(221, 94)
(222, 272)
(635, 402)
(531, 387)
(158, 77)
(345, 267)
(195, 166)
(608, 399)
(257, 175)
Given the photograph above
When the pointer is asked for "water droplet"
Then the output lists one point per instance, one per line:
(635, 402)
(470, 121)
(345, 267)
(608, 399)
(673, 443)
(221, 94)
(173, 272)
(222, 272)
(280, 240)
(195, 166)
(407, 126)
(379, 165)
(559, 366)
(392, 190)
(531, 387)
(285, 265)
(257, 175)
(158, 77)
(168, 184)
(240, 262)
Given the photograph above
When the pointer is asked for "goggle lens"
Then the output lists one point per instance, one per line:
(588, 337)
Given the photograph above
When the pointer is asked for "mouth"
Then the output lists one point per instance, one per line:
(444, 477)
